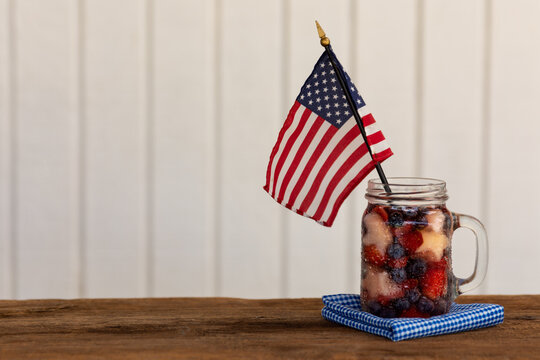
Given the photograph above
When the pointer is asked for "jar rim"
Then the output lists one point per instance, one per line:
(407, 191)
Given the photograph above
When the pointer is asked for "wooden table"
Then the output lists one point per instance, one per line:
(201, 328)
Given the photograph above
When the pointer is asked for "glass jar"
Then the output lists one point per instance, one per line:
(406, 249)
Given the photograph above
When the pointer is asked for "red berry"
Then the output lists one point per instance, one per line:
(410, 284)
(433, 283)
(382, 213)
(402, 230)
(397, 263)
(411, 241)
(373, 256)
(413, 312)
(441, 264)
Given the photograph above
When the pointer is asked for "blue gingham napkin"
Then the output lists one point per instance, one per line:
(345, 309)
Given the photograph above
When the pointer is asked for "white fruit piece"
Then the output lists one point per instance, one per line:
(378, 283)
(432, 249)
(435, 220)
(378, 233)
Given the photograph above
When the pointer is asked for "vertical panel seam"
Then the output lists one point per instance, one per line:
(149, 156)
(486, 120)
(419, 73)
(285, 78)
(217, 150)
(350, 248)
(81, 113)
(12, 48)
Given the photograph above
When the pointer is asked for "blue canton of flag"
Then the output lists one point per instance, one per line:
(323, 94)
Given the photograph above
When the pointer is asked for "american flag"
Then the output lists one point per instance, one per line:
(320, 155)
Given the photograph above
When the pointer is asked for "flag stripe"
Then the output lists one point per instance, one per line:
(339, 175)
(306, 142)
(286, 126)
(290, 141)
(327, 151)
(289, 156)
(350, 187)
(328, 136)
(334, 172)
(336, 152)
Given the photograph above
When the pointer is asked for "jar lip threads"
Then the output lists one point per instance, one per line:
(408, 191)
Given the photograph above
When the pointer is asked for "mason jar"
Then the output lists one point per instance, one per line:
(407, 250)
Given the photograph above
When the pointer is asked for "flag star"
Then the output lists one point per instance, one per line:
(310, 102)
(326, 97)
(316, 83)
(323, 73)
(352, 88)
(333, 80)
(358, 101)
(324, 81)
(335, 96)
(343, 97)
(317, 91)
(302, 97)
(328, 114)
(327, 106)
(329, 63)
(334, 88)
(338, 121)
(318, 99)
(325, 89)
(338, 113)
(319, 108)
(309, 93)
(336, 105)
(322, 64)
(308, 86)
(332, 71)
(315, 76)
(345, 104)
(346, 112)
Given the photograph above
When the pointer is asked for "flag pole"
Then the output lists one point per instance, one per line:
(325, 42)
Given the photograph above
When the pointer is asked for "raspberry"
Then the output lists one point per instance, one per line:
(373, 256)
(441, 264)
(411, 241)
(433, 283)
(410, 284)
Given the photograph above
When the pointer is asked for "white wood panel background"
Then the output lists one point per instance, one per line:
(134, 139)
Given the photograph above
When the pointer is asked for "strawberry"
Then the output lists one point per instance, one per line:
(382, 213)
(441, 264)
(413, 312)
(402, 230)
(411, 241)
(433, 283)
(373, 256)
(397, 263)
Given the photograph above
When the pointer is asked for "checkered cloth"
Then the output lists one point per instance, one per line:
(345, 309)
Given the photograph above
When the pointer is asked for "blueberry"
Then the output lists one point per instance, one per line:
(425, 305)
(395, 219)
(401, 304)
(413, 295)
(440, 307)
(416, 268)
(373, 307)
(387, 312)
(398, 275)
(410, 212)
(395, 251)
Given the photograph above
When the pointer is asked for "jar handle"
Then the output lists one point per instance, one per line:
(481, 261)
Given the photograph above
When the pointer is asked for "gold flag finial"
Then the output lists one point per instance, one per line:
(324, 40)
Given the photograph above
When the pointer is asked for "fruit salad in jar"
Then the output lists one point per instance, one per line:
(406, 261)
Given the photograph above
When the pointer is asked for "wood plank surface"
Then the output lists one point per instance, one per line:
(202, 328)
